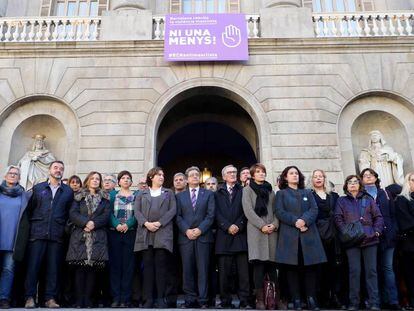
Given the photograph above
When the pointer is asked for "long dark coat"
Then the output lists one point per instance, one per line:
(167, 209)
(229, 213)
(386, 205)
(405, 218)
(79, 217)
(291, 205)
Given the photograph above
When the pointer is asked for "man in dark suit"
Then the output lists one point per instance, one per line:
(195, 215)
(231, 242)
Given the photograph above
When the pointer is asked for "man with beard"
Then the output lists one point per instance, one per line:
(48, 213)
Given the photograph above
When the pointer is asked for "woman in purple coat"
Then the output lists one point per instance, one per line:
(356, 205)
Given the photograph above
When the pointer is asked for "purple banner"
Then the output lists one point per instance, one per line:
(205, 37)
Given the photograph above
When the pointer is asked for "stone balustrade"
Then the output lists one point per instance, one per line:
(252, 23)
(363, 24)
(46, 29)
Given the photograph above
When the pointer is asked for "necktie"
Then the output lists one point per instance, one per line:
(231, 193)
(193, 198)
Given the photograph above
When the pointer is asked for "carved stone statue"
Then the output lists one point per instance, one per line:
(383, 159)
(34, 165)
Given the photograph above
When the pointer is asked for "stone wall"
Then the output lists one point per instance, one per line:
(302, 95)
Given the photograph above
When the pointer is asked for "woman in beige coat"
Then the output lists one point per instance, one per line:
(262, 225)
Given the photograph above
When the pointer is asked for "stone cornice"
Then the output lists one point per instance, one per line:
(154, 48)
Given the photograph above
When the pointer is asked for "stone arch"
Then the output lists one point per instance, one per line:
(384, 111)
(228, 90)
(47, 115)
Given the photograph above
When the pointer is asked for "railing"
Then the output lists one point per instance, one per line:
(252, 24)
(45, 29)
(363, 24)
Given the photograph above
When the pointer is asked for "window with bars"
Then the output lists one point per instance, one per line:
(73, 7)
(339, 5)
(204, 6)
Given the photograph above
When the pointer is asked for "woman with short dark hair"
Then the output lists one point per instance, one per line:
(155, 209)
(88, 246)
(75, 183)
(386, 247)
(299, 247)
(357, 205)
(262, 224)
(121, 238)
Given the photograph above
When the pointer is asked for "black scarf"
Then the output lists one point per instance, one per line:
(262, 192)
(13, 192)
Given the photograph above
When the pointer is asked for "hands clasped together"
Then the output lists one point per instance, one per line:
(301, 225)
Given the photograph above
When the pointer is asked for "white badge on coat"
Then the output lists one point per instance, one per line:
(305, 199)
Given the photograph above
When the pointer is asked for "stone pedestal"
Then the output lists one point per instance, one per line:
(286, 22)
(130, 24)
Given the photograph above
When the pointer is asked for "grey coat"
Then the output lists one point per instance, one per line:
(290, 206)
(167, 210)
(261, 246)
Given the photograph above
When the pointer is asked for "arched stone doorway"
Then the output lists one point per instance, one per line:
(386, 112)
(208, 130)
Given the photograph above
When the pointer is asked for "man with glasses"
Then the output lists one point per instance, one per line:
(231, 242)
(195, 216)
(109, 182)
(142, 184)
(48, 211)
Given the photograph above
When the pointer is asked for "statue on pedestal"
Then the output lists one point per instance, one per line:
(34, 165)
(383, 159)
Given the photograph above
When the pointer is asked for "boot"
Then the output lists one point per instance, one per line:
(312, 305)
(260, 299)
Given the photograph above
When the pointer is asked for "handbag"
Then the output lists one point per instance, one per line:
(326, 228)
(270, 295)
(353, 232)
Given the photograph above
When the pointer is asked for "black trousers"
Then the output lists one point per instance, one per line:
(408, 271)
(155, 263)
(225, 263)
(260, 269)
(121, 264)
(84, 285)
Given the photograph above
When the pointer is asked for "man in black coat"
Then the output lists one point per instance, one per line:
(195, 215)
(231, 242)
(48, 213)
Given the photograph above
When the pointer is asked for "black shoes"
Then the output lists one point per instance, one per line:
(312, 305)
(4, 304)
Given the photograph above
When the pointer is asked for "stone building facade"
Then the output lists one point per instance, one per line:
(308, 95)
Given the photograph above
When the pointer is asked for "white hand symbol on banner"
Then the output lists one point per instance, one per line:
(231, 36)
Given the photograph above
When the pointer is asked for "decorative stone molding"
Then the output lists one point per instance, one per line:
(128, 5)
(282, 3)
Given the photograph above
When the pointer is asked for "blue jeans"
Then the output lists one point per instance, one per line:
(369, 255)
(389, 293)
(6, 274)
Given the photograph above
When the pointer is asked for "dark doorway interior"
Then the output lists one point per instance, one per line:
(207, 131)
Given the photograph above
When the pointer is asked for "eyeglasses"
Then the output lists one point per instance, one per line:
(368, 175)
(353, 182)
(13, 174)
(108, 180)
(231, 172)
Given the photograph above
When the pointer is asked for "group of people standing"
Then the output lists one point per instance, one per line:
(252, 234)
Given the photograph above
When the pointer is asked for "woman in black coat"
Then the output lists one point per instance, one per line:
(299, 246)
(404, 211)
(331, 272)
(88, 246)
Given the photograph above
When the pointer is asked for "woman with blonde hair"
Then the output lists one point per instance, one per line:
(325, 199)
(404, 212)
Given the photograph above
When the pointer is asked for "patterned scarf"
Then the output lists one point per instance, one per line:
(92, 203)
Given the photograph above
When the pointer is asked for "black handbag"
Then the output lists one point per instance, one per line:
(353, 233)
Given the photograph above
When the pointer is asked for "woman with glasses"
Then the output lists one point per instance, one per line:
(121, 238)
(404, 211)
(357, 205)
(13, 203)
(388, 286)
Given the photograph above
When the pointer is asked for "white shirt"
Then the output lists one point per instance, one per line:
(155, 193)
(228, 187)
(54, 189)
(197, 189)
